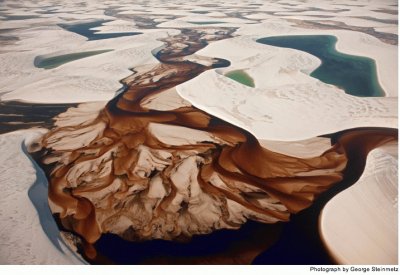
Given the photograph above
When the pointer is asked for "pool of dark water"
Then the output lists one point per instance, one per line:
(86, 30)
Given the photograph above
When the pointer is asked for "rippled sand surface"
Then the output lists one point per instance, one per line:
(161, 148)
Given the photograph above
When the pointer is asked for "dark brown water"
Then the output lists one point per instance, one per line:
(240, 158)
(16, 115)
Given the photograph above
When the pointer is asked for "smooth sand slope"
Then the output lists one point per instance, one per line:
(29, 234)
(287, 109)
(359, 225)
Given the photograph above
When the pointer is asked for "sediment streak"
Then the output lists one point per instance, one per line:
(115, 173)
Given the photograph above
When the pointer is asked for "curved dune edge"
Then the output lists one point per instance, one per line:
(290, 112)
(53, 92)
(282, 82)
(99, 77)
(29, 234)
(349, 42)
(149, 174)
(360, 225)
(192, 178)
(93, 78)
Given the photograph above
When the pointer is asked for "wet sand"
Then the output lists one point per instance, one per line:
(15, 115)
(124, 129)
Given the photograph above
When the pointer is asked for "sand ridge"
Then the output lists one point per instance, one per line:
(295, 104)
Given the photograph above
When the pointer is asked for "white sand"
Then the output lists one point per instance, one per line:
(289, 112)
(307, 148)
(349, 42)
(286, 105)
(360, 225)
(89, 79)
(101, 81)
(29, 234)
(92, 78)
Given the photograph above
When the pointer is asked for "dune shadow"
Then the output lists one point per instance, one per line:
(37, 194)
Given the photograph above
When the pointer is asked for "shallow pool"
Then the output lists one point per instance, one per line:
(241, 77)
(55, 61)
(356, 75)
(86, 29)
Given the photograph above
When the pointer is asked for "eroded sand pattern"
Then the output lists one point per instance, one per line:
(132, 172)
(161, 146)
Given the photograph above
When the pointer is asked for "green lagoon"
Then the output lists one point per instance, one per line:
(241, 77)
(55, 61)
(356, 75)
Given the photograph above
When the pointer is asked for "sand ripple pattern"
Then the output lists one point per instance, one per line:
(150, 174)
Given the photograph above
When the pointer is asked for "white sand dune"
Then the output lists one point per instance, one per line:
(360, 225)
(307, 148)
(89, 79)
(287, 112)
(350, 42)
(92, 78)
(29, 234)
(286, 105)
